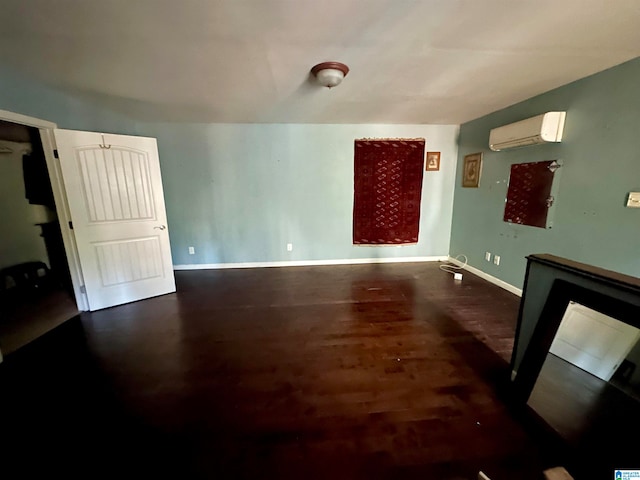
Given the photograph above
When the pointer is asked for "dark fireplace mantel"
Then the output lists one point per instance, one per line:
(550, 284)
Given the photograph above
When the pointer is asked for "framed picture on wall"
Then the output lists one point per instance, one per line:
(433, 162)
(471, 170)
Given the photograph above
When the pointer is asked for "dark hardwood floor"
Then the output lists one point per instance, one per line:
(24, 319)
(367, 371)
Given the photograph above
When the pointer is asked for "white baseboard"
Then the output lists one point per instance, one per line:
(307, 263)
(489, 278)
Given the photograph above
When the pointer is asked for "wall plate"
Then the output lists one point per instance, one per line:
(633, 200)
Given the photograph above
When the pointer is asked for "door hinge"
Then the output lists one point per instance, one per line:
(55, 154)
(71, 225)
(83, 289)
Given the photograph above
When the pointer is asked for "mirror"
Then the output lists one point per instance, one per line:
(588, 390)
(590, 421)
(531, 193)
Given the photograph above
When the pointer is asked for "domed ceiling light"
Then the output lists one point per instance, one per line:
(330, 74)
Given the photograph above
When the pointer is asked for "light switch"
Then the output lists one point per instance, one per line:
(634, 200)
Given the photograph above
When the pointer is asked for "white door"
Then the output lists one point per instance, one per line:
(114, 190)
(593, 341)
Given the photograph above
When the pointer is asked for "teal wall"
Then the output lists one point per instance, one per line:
(241, 192)
(600, 152)
(24, 95)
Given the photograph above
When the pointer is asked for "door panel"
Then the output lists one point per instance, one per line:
(114, 189)
(128, 261)
(116, 184)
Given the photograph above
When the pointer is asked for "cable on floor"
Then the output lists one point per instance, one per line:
(455, 269)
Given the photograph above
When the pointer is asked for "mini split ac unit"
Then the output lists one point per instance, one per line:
(543, 128)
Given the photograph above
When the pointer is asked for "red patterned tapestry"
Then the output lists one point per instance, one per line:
(388, 187)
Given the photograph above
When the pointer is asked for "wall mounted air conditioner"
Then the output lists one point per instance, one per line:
(543, 128)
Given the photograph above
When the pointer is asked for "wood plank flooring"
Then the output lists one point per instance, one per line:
(24, 320)
(366, 371)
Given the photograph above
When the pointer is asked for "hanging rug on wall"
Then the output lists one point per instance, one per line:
(387, 191)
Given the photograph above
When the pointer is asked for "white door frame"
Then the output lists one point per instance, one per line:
(60, 196)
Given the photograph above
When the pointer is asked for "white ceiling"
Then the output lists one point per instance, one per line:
(412, 61)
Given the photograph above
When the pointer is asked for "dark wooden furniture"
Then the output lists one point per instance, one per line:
(550, 284)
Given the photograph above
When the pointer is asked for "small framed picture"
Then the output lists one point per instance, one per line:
(471, 170)
(433, 162)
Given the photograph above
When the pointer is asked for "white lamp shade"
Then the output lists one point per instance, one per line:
(330, 77)
(330, 74)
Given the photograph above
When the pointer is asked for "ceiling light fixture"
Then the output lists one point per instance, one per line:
(330, 74)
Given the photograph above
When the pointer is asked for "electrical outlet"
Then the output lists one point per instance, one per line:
(487, 256)
(496, 259)
(289, 247)
(192, 251)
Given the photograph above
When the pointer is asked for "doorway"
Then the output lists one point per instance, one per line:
(36, 290)
(120, 171)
